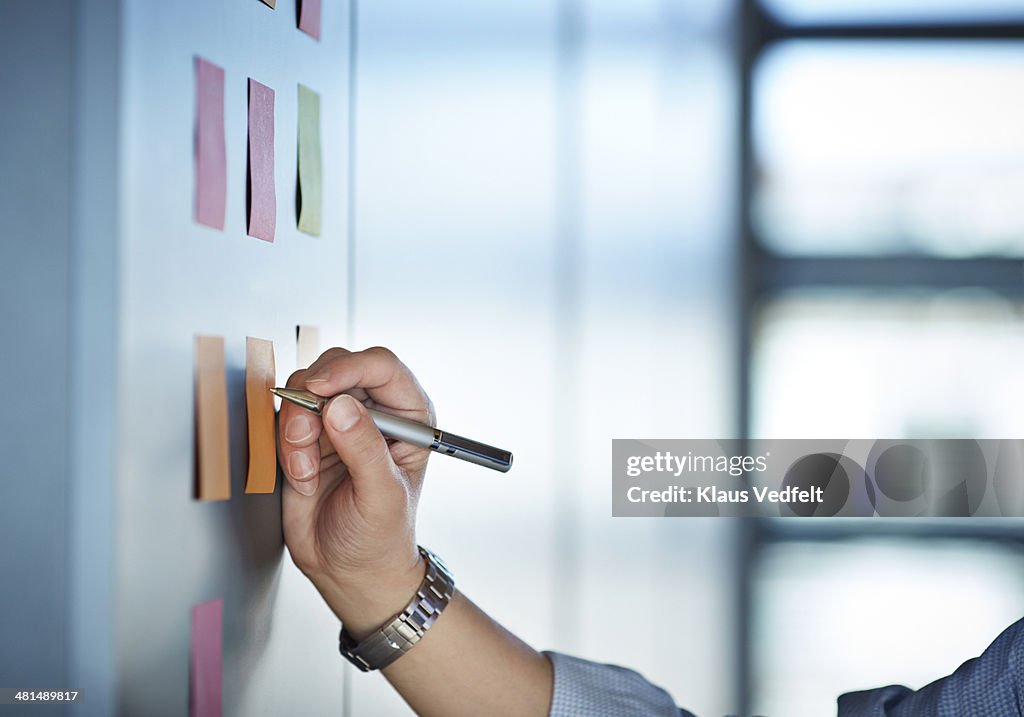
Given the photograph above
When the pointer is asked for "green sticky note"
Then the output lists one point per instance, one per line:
(310, 180)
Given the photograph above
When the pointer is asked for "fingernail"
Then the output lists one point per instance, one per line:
(307, 488)
(299, 465)
(342, 413)
(298, 430)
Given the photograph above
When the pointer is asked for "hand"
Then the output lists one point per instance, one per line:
(349, 523)
(349, 503)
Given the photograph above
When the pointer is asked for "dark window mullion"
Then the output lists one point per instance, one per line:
(766, 29)
(775, 32)
(776, 274)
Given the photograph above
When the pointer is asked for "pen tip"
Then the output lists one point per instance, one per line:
(305, 399)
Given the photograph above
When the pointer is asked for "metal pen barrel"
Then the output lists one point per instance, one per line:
(403, 429)
(418, 434)
(437, 440)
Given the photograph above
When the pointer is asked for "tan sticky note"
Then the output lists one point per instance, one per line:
(213, 470)
(307, 346)
(259, 407)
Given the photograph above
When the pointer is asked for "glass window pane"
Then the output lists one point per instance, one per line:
(836, 617)
(805, 12)
(890, 148)
(856, 365)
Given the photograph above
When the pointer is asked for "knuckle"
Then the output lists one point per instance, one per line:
(333, 353)
(326, 358)
(383, 352)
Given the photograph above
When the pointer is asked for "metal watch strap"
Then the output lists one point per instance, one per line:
(399, 635)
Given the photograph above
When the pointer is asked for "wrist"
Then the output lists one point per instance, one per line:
(404, 630)
(363, 606)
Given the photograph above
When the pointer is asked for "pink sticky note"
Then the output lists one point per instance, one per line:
(210, 152)
(206, 670)
(309, 17)
(262, 198)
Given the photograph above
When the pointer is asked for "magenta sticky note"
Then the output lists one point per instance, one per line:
(210, 152)
(207, 660)
(262, 197)
(309, 17)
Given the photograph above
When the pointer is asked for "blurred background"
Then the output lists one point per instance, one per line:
(786, 219)
(559, 182)
(696, 219)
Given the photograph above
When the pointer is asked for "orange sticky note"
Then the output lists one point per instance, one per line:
(259, 407)
(213, 470)
(307, 345)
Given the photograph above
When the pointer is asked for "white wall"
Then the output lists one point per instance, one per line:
(177, 279)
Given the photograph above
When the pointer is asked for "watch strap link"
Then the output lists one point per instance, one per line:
(398, 635)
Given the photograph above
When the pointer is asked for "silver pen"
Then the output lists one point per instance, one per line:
(418, 434)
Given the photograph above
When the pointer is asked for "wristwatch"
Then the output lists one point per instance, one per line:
(398, 635)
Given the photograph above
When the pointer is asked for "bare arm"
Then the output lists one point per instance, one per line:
(349, 523)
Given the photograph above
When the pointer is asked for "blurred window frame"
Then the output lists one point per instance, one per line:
(764, 275)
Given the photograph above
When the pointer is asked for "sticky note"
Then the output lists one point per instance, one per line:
(209, 145)
(310, 192)
(309, 17)
(307, 345)
(262, 198)
(206, 660)
(259, 407)
(213, 471)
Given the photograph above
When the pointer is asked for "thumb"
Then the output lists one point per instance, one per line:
(363, 450)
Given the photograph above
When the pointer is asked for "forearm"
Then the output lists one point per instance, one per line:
(465, 664)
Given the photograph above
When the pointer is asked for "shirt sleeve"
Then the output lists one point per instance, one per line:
(989, 685)
(587, 689)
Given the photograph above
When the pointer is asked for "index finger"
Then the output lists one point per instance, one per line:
(298, 442)
(377, 371)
